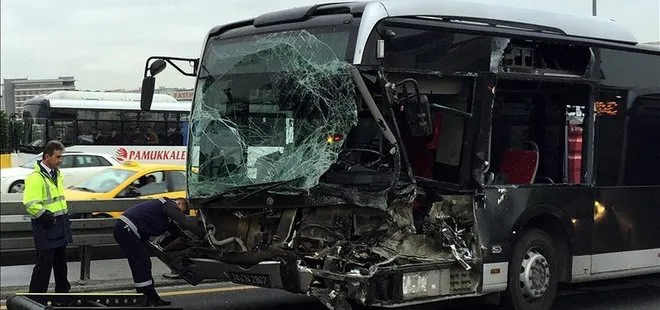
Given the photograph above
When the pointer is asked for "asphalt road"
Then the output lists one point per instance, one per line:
(630, 294)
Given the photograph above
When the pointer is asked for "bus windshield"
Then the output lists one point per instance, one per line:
(270, 108)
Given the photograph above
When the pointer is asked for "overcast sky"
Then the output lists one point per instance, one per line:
(104, 43)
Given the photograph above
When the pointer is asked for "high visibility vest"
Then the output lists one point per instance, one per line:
(41, 194)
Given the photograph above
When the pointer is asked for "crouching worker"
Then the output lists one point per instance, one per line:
(143, 221)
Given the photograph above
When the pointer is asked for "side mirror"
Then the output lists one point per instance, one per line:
(147, 95)
(418, 116)
(149, 84)
(157, 67)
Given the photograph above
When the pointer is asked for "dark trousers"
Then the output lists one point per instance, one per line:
(137, 254)
(48, 259)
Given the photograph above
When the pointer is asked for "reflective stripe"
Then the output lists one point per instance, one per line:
(130, 225)
(143, 284)
(56, 199)
(48, 194)
(56, 213)
(30, 203)
(162, 200)
(61, 212)
(39, 213)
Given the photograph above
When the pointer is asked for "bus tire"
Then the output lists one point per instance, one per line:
(533, 274)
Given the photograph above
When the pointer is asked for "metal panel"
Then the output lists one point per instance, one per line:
(27, 242)
(15, 207)
(76, 224)
(73, 254)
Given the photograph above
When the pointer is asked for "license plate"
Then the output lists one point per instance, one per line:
(249, 279)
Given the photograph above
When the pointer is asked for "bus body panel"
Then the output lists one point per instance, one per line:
(626, 227)
(508, 210)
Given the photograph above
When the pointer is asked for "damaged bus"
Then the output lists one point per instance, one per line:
(403, 152)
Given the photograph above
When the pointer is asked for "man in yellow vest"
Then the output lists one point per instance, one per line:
(44, 202)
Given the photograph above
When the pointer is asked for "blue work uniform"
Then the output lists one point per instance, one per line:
(141, 222)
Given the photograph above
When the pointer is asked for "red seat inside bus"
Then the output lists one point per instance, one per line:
(520, 166)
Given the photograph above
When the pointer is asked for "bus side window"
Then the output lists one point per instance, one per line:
(86, 131)
(609, 135)
(177, 124)
(153, 124)
(642, 149)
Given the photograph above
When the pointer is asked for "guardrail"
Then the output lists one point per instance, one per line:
(92, 237)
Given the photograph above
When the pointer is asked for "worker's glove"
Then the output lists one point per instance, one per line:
(47, 219)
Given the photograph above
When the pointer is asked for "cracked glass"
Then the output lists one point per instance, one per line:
(498, 46)
(270, 108)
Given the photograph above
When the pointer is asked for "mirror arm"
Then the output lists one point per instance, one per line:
(195, 65)
(194, 61)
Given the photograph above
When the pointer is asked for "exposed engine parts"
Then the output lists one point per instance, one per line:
(449, 222)
(347, 249)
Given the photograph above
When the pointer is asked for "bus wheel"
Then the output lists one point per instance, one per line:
(533, 273)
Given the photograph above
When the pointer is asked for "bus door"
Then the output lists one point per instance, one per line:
(627, 206)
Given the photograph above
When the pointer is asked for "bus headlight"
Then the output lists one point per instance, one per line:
(420, 284)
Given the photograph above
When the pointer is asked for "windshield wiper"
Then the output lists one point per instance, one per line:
(84, 189)
(238, 190)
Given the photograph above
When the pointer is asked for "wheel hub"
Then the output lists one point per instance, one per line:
(17, 188)
(534, 275)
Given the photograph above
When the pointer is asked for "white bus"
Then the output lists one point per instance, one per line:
(109, 123)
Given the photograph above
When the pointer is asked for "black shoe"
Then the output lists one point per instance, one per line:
(158, 302)
(152, 297)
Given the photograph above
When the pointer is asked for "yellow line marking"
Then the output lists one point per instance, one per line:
(208, 290)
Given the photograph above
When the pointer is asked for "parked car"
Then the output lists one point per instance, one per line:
(76, 166)
(131, 180)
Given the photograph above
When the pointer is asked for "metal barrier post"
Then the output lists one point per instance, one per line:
(85, 259)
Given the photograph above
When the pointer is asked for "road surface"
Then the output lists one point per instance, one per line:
(632, 294)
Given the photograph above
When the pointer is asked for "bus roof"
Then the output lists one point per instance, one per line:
(584, 26)
(490, 14)
(179, 106)
(110, 96)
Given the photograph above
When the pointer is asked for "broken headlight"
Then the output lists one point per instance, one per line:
(421, 284)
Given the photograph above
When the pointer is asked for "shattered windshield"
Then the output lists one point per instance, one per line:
(270, 108)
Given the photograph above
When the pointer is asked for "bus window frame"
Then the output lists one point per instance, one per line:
(124, 124)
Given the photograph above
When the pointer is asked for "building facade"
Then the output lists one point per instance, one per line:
(16, 91)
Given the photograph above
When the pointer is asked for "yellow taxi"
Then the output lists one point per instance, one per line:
(131, 180)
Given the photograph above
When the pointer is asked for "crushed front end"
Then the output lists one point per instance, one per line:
(338, 252)
(298, 170)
